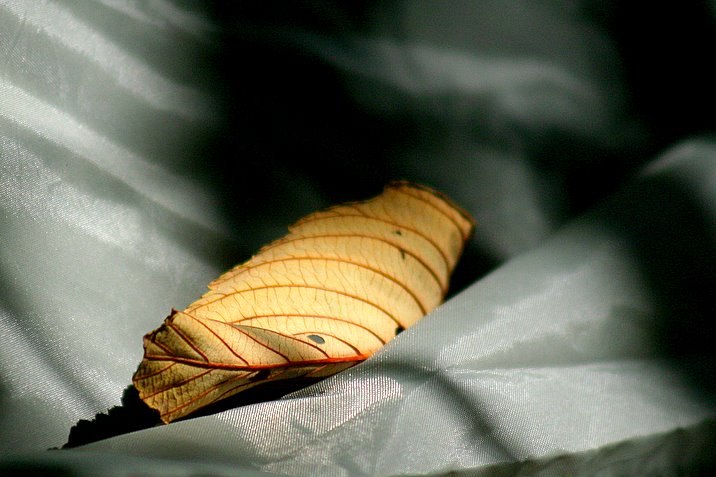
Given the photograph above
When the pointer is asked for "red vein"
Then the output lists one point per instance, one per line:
(310, 219)
(354, 206)
(181, 383)
(321, 368)
(228, 391)
(250, 383)
(262, 344)
(160, 345)
(287, 336)
(341, 260)
(208, 390)
(147, 376)
(279, 243)
(317, 369)
(187, 340)
(217, 336)
(299, 315)
(433, 206)
(323, 333)
(253, 367)
(337, 292)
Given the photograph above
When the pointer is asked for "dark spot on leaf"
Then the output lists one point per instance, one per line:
(261, 375)
(397, 232)
(399, 329)
(402, 253)
(316, 338)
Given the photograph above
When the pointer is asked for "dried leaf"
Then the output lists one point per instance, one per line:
(341, 284)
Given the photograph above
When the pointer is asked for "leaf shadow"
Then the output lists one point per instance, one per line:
(134, 415)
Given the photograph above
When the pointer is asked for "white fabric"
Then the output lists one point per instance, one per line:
(556, 361)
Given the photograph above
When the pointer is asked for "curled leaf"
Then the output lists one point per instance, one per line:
(341, 284)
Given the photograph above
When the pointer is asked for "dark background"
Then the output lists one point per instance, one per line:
(293, 126)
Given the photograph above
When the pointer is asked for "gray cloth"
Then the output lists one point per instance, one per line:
(133, 172)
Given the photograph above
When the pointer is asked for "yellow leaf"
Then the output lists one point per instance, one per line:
(326, 296)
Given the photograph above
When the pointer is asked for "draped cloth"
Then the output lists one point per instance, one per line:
(147, 147)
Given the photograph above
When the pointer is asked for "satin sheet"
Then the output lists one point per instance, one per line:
(580, 353)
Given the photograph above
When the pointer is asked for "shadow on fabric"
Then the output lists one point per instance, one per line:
(672, 239)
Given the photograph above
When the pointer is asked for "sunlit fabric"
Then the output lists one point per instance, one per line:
(146, 147)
